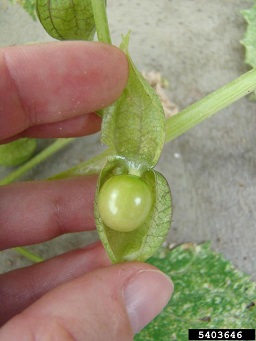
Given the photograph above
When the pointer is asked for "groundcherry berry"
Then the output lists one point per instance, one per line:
(125, 202)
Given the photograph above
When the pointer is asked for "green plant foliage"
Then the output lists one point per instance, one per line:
(67, 20)
(209, 293)
(17, 152)
(249, 40)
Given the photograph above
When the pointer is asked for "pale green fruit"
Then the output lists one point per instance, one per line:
(125, 202)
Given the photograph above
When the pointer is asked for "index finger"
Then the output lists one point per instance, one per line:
(51, 82)
(37, 211)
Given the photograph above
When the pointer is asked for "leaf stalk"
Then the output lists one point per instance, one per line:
(210, 105)
(53, 148)
(101, 21)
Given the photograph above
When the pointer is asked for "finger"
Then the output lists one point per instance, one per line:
(51, 82)
(34, 212)
(20, 288)
(115, 301)
(73, 127)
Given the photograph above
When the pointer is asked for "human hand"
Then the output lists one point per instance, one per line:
(53, 90)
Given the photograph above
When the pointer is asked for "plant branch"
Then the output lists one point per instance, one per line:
(209, 105)
(30, 256)
(101, 21)
(53, 148)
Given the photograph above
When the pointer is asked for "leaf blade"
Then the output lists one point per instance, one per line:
(249, 40)
(209, 293)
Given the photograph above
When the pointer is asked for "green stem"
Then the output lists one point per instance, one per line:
(53, 148)
(88, 167)
(30, 256)
(209, 105)
(101, 21)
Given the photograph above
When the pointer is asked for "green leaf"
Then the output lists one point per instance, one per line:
(142, 243)
(209, 293)
(67, 20)
(249, 40)
(134, 126)
(17, 152)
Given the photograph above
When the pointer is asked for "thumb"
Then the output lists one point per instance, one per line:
(111, 303)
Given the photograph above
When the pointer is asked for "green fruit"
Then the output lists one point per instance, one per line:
(125, 202)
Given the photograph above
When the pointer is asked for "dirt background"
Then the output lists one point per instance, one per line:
(211, 169)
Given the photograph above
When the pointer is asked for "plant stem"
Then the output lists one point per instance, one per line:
(30, 256)
(101, 21)
(53, 148)
(209, 105)
(88, 167)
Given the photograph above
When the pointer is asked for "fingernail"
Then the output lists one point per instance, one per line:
(145, 296)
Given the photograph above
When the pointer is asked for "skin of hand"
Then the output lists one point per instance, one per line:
(53, 90)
